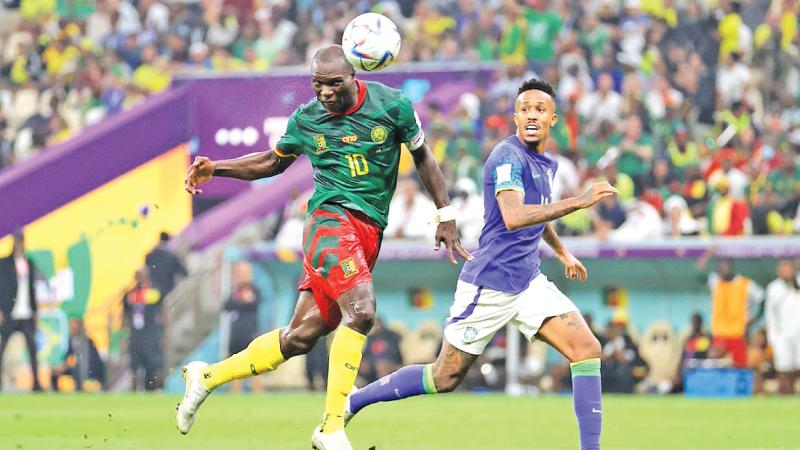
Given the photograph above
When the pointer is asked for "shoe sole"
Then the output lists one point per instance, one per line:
(177, 408)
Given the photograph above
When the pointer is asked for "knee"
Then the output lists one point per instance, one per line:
(295, 341)
(585, 347)
(446, 380)
(361, 317)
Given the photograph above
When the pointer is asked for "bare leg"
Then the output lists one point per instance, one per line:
(263, 354)
(306, 326)
(451, 367)
(571, 336)
(358, 307)
(268, 351)
(785, 383)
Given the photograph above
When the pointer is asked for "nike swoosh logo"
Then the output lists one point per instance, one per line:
(598, 411)
(397, 393)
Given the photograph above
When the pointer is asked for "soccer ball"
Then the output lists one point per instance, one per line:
(371, 42)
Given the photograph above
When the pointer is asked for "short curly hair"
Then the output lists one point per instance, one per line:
(539, 85)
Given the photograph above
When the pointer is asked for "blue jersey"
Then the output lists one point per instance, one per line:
(508, 260)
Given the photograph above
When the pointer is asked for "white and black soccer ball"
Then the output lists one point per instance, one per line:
(371, 42)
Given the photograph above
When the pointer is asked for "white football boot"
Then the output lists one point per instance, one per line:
(193, 396)
(332, 441)
(348, 414)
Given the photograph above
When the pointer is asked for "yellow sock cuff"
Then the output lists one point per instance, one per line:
(262, 355)
(350, 337)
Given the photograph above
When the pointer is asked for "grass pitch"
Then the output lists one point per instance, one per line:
(458, 421)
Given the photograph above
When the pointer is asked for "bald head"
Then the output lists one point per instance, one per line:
(333, 79)
(332, 59)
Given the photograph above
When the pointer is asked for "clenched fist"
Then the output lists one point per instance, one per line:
(199, 172)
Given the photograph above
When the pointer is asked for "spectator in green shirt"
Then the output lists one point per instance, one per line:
(636, 151)
(594, 146)
(544, 25)
(594, 35)
(683, 153)
(512, 42)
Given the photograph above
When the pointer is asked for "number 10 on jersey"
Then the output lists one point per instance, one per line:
(358, 165)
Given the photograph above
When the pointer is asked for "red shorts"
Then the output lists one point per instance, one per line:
(736, 347)
(340, 248)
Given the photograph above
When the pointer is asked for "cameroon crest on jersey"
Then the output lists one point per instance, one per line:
(319, 139)
(349, 267)
(379, 134)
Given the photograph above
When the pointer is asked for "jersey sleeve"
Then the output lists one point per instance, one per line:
(409, 125)
(291, 143)
(506, 172)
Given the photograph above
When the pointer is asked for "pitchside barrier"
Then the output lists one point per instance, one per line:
(653, 285)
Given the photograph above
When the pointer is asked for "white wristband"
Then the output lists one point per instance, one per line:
(446, 214)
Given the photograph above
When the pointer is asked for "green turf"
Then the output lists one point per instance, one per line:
(285, 421)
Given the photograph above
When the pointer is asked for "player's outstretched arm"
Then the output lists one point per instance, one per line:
(248, 167)
(433, 180)
(516, 214)
(573, 268)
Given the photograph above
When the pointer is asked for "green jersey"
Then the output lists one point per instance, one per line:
(355, 155)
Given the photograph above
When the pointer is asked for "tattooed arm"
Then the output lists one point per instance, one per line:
(516, 214)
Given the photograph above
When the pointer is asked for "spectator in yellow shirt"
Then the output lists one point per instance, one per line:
(151, 76)
(729, 28)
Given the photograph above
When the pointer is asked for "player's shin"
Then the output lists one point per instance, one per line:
(262, 355)
(586, 399)
(345, 359)
(406, 382)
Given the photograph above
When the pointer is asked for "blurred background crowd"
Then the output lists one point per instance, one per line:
(689, 108)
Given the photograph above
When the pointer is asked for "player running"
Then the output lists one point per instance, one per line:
(352, 132)
(503, 283)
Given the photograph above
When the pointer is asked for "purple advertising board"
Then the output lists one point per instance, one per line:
(61, 173)
(219, 116)
(237, 115)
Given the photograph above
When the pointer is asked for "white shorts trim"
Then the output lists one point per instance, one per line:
(478, 313)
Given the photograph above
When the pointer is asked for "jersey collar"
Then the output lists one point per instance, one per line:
(362, 95)
(530, 153)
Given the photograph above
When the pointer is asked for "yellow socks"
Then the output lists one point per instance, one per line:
(345, 358)
(262, 355)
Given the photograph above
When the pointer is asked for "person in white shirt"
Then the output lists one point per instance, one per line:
(783, 327)
(155, 15)
(604, 104)
(18, 303)
(679, 218)
(468, 204)
(410, 213)
(642, 223)
(733, 80)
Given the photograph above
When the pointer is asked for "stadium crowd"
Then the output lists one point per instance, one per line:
(689, 108)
